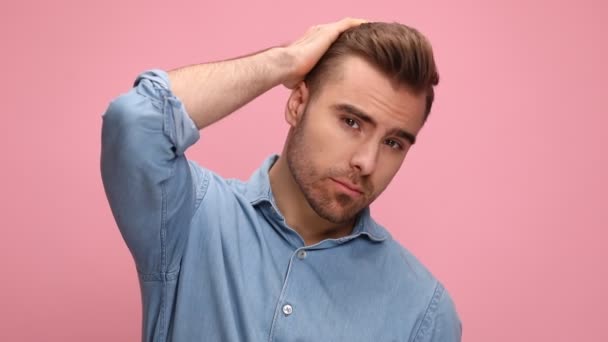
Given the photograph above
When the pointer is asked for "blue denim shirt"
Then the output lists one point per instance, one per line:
(217, 261)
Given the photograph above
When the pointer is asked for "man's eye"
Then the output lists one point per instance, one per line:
(352, 123)
(393, 144)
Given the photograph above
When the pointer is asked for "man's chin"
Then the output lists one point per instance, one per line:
(339, 216)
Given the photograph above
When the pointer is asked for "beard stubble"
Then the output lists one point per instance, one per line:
(339, 208)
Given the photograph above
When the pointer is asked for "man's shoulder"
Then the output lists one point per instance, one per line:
(404, 263)
(212, 187)
(415, 283)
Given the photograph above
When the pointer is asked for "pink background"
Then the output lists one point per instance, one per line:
(503, 198)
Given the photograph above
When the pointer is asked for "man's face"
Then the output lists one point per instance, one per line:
(351, 139)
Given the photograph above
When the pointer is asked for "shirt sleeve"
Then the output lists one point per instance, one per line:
(151, 187)
(441, 322)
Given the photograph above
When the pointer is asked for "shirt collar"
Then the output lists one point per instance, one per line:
(258, 191)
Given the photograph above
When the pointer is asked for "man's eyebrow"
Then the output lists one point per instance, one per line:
(350, 109)
(405, 135)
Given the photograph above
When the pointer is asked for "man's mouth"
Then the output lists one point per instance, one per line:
(348, 187)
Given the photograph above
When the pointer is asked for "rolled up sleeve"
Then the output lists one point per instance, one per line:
(151, 187)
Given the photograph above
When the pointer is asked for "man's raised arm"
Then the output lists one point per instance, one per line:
(213, 90)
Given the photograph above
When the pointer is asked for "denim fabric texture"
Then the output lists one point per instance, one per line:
(217, 261)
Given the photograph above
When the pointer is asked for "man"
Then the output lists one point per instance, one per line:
(292, 254)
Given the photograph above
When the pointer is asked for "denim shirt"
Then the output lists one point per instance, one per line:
(217, 262)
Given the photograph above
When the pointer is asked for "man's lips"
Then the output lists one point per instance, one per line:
(348, 186)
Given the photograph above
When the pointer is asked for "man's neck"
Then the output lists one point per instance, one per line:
(296, 210)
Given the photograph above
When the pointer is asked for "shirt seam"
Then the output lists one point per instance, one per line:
(203, 193)
(163, 229)
(159, 276)
(430, 311)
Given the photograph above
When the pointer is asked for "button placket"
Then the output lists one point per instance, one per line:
(283, 306)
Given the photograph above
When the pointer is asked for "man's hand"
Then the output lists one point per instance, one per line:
(307, 50)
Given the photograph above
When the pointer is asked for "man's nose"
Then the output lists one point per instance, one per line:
(365, 158)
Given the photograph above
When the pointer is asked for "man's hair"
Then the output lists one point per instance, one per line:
(400, 52)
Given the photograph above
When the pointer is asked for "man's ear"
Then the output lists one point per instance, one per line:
(296, 104)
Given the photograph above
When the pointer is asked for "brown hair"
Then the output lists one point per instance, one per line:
(401, 52)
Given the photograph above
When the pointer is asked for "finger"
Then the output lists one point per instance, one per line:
(347, 23)
(355, 21)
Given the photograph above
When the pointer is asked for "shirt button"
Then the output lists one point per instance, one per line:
(287, 309)
(301, 254)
